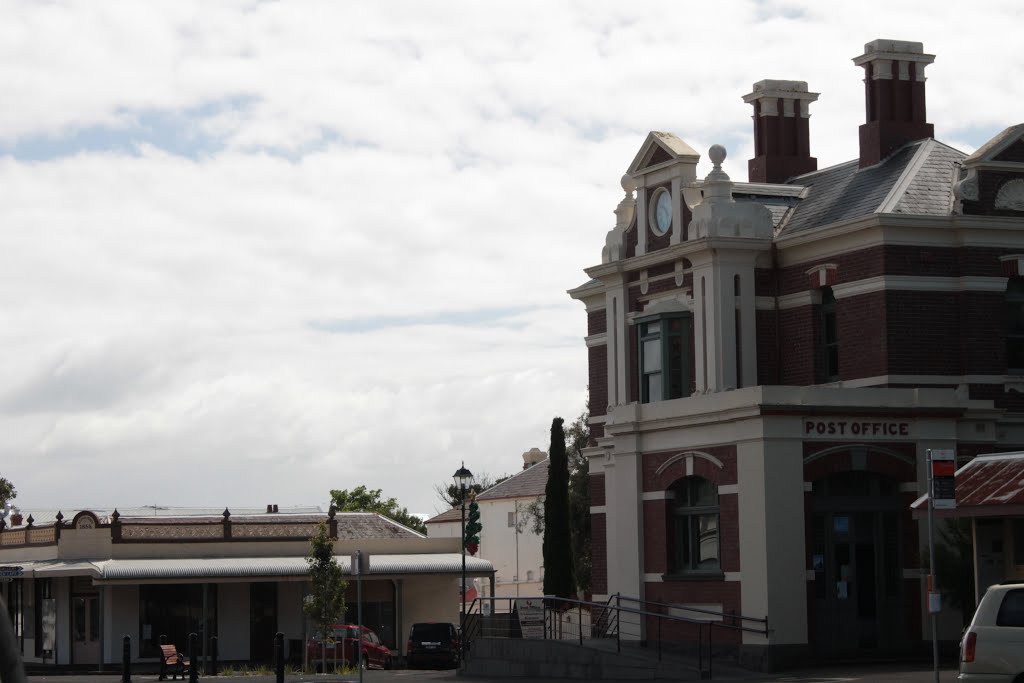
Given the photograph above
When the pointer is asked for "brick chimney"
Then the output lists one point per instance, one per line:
(893, 97)
(782, 141)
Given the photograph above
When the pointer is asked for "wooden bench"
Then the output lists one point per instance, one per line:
(173, 662)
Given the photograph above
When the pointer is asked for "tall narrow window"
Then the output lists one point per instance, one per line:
(1015, 326)
(829, 336)
(665, 358)
(693, 527)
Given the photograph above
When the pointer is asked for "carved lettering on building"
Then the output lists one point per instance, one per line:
(852, 428)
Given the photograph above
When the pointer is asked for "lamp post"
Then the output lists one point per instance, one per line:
(462, 478)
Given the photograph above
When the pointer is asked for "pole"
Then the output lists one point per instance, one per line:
(462, 624)
(359, 610)
(932, 586)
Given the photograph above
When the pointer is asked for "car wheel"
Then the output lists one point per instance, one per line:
(366, 662)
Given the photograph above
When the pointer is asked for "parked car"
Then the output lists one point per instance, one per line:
(432, 644)
(341, 648)
(992, 649)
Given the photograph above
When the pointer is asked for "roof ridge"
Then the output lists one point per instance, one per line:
(910, 171)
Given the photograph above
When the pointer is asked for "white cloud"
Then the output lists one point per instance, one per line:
(434, 174)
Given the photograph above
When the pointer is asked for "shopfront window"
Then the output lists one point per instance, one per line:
(174, 611)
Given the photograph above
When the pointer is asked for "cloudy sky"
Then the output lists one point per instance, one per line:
(277, 248)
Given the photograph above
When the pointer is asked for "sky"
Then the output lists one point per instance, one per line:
(251, 252)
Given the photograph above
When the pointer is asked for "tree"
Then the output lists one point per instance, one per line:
(578, 438)
(325, 605)
(451, 494)
(360, 499)
(558, 578)
(7, 491)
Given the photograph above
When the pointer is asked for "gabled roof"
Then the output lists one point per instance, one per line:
(528, 483)
(916, 179)
(994, 147)
(660, 148)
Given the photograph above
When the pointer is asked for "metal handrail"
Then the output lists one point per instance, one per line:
(703, 625)
(699, 610)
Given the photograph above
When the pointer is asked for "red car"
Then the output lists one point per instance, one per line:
(341, 648)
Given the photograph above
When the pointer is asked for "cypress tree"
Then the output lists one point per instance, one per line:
(558, 579)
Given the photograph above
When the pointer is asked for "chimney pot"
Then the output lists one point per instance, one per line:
(782, 145)
(894, 97)
(16, 519)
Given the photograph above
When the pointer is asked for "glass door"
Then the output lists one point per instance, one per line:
(85, 624)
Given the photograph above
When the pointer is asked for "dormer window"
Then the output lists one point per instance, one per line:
(665, 343)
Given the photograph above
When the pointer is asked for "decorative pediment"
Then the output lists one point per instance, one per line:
(659, 150)
(1007, 147)
(993, 182)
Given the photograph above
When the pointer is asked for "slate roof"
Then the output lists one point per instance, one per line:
(528, 483)
(916, 179)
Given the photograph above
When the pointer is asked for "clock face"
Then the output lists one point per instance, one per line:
(662, 212)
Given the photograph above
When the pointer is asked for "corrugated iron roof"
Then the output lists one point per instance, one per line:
(988, 484)
(246, 567)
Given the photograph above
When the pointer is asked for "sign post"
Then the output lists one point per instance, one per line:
(941, 496)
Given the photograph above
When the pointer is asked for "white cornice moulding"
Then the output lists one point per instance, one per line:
(599, 509)
(596, 340)
(655, 495)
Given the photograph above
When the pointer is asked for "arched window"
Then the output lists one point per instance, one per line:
(693, 527)
(829, 336)
(1015, 326)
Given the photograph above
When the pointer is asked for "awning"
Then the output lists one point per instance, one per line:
(987, 486)
(281, 568)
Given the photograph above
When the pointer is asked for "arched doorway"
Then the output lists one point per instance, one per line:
(856, 541)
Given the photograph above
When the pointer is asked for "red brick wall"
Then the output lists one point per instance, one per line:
(767, 348)
(599, 554)
(1014, 152)
(799, 356)
(861, 322)
(922, 334)
(596, 485)
(597, 378)
(597, 322)
(652, 481)
(725, 593)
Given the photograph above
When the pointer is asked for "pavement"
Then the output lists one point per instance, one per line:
(851, 673)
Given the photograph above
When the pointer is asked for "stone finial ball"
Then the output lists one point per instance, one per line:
(628, 183)
(717, 154)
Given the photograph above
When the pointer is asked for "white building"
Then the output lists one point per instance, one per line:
(89, 578)
(507, 540)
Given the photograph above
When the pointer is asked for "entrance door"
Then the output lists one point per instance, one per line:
(262, 621)
(857, 569)
(85, 625)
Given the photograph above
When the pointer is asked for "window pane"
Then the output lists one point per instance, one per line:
(704, 493)
(1011, 612)
(651, 328)
(682, 528)
(675, 366)
(654, 387)
(652, 355)
(708, 542)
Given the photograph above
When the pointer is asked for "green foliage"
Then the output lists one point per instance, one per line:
(558, 579)
(954, 564)
(7, 491)
(325, 605)
(578, 438)
(451, 494)
(361, 499)
(473, 525)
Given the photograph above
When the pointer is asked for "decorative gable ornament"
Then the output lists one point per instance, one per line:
(615, 241)
(719, 215)
(1011, 196)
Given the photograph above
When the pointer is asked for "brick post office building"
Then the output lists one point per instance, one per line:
(770, 361)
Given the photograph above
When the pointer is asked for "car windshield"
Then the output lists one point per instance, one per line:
(431, 631)
(346, 632)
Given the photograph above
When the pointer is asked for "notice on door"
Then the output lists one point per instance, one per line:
(531, 617)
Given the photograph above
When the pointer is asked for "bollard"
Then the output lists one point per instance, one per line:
(193, 657)
(126, 660)
(279, 656)
(213, 656)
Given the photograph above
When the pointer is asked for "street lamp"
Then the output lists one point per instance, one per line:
(463, 478)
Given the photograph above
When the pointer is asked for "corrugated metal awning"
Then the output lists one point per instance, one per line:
(280, 567)
(987, 486)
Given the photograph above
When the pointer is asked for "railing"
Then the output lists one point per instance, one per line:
(664, 627)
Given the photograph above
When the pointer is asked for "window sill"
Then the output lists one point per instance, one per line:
(710, 575)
